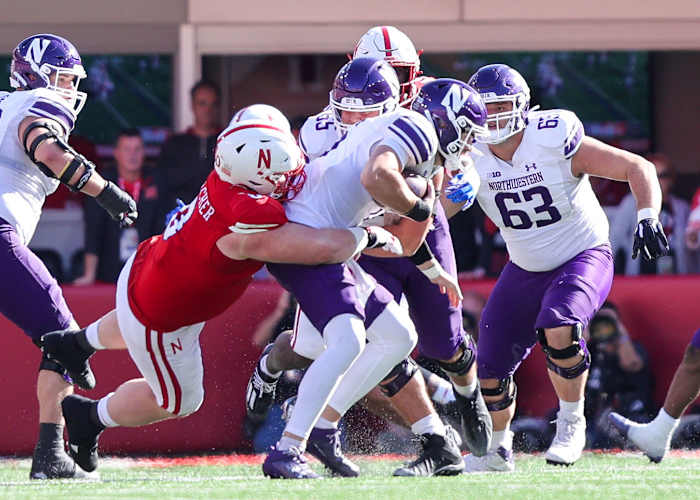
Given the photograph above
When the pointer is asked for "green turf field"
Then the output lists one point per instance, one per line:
(595, 477)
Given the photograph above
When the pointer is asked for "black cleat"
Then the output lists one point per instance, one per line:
(260, 393)
(83, 432)
(62, 347)
(476, 422)
(440, 457)
(324, 444)
(55, 464)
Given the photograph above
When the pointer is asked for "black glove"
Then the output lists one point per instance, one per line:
(118, 204)
(649, 240)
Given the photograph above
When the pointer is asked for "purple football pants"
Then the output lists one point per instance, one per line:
(29, 295)
(524, 301)
(439, 325)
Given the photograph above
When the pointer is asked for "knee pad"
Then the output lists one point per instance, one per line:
(577, 348)
(504, 390)
(398, 377)
(53, 366)
(464, 362)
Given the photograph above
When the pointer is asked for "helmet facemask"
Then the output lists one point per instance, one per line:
(356, 105)
(516, 118)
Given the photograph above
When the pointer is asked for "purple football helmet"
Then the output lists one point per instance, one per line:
(364, 85)
(500, 83)
(455, 110)
(42, 60)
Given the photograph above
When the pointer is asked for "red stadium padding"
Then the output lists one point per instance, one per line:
(662, 313)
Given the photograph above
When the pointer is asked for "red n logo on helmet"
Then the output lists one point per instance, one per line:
(263, 157)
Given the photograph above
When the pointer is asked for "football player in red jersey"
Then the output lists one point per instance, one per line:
(198, 267)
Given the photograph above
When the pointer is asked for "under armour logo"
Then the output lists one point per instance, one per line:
(530, 167)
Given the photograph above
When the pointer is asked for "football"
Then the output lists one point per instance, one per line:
(418, 184)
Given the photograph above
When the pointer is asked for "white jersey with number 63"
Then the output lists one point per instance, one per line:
(545, 214)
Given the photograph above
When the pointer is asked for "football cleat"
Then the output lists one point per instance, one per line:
(287, 464)
(569, 440)
(62, 347)
(440, 456)
(653, 444)
(83, 433)
(55, 464)
(498, 460)
(324, 444)
(476, 422)
(260, 393)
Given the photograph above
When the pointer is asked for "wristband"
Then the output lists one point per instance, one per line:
(433, 271)
(420, 211)
(647, 213)
(422, 255)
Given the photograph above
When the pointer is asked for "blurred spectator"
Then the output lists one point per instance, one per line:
(692, 230)
(673, 218)
(619, 379)
(64, 197)
(187, 159)
(107, 245)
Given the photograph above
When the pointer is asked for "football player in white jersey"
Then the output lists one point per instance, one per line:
(35, 121)
(438, 323)
(360, 174)
(534, 168)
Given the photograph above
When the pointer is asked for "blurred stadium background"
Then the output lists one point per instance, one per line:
(630, 70)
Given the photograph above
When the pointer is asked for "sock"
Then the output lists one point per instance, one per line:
(430, 424)
(502, 438)
(323, 423)
(665, 422)
(466, 390)
(574, 408)
(443, 394)
(102, 416)
(50, 436)
(92, 337)
(266, 370)
(286, 442)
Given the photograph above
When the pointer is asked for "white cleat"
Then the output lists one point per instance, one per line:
(569, 441)
(499, 460)
(654, 442)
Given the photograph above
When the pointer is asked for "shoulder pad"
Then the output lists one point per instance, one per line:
(414, 132)
(254, 213)
(317, 131)
(47, 104)
(558, 129)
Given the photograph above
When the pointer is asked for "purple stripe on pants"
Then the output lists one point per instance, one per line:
(439, 325)
(29, 295)
(523, 301)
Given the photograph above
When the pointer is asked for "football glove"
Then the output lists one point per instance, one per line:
(378, 237)
(179, 204)
(460, 190)
(118, 204)
(649, 240)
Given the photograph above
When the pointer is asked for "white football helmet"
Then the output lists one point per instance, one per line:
(262, 112)
(260, 156)
(392, 45)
